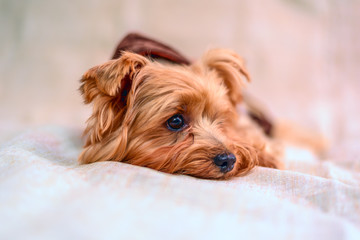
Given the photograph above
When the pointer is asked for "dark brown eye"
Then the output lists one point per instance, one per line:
(175, 123)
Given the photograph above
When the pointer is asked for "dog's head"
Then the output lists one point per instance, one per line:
(172, 118)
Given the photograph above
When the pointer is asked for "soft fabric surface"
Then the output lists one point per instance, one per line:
(45, 194)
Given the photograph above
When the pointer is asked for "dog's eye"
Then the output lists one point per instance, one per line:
(175, 123)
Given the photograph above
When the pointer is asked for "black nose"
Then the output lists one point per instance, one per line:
(225, 162)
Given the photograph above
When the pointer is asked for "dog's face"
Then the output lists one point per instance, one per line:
(175, 119)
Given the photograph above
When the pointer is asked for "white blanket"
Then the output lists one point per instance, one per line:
(45, 194)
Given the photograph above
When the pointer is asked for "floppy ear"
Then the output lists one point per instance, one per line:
(111, 78)
(108, 87)
(231, 69)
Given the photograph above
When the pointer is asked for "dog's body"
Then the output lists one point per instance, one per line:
(174, 118)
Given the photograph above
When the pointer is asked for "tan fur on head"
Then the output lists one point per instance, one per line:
(134, 99)
(105, 85)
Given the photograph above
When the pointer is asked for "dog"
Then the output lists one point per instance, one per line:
(177, 118)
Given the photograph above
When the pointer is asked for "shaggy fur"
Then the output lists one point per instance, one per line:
(133, 97)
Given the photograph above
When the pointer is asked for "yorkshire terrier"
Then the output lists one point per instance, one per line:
(177, 118)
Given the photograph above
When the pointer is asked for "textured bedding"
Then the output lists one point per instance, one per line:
(45, 194)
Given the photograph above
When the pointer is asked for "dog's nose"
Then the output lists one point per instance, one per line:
(225, 162)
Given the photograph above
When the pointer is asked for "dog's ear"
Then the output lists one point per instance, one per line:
(109, 86)
(231, 69)
(113, 78)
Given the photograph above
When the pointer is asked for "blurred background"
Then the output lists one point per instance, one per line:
(303, 55)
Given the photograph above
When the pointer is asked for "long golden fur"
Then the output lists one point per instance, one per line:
(134, 98)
